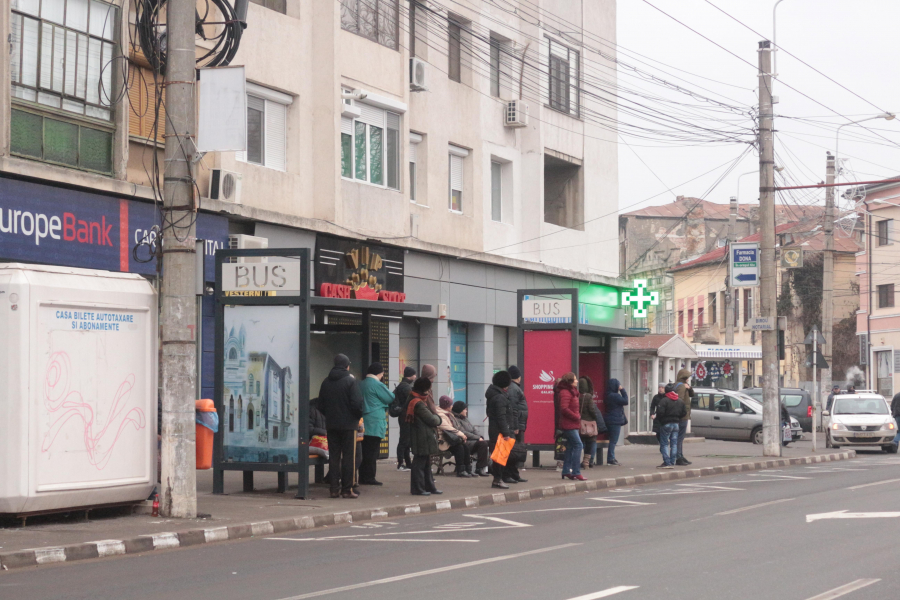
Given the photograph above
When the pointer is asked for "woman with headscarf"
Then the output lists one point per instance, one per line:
(453, 439)
(423, 418)
(570, 425)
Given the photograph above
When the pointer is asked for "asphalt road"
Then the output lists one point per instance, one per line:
(774, 534)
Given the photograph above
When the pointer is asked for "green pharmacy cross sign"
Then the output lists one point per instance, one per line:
(640, 298)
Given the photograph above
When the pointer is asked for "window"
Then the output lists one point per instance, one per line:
(680, 322)
(713, 316)
(690, 324)
(748, 305)
(885, 229)
(266, 127)
(276, 5)
(791, 400)
(147, 113)
(700, 312)
(457, 155)
(414, 141)
(454, 51)
(700, 401)
(412, 27)
(563, 203)
(60, 53)
(885, 295)
(373, 19)
(495, 67)
(370, 147)
(496, 191)
(564, 79)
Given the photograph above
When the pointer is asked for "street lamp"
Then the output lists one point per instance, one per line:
(774, 40)
(888, 116)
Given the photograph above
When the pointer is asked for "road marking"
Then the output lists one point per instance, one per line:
(845, 589)
(743, 508)
(475, 563)
(632, 502)
(606, 593)
(343, 538)
(776, 476)
(540, 510)
(707, 486)
(865, 485)
(843, 514)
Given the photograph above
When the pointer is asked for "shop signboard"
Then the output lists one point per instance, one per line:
(548, 356)
(51, 225)
(356, 269)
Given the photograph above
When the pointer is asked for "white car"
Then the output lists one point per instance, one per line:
(860, 420)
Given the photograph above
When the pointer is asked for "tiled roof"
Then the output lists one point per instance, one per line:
(652, 341)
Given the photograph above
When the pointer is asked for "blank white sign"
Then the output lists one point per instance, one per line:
(222, 123)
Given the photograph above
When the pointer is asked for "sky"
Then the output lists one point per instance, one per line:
(855, 43)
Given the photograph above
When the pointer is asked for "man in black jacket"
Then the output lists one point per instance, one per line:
(895, 412)
(518, 408)
(341, 401)
(398, 410)
(670, 411)
(498, 419)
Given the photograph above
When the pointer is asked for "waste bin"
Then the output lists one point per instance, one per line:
(207, 424)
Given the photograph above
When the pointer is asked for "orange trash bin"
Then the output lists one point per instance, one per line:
(204, 435)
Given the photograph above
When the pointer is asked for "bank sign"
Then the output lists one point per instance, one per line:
(50, 225)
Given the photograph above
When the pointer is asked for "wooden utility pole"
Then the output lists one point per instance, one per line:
(729, 290)
(827, 285)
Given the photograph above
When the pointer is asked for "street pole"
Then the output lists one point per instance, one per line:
(178, 496)
(827, 285)
(729, 291)
(815, 393)
(771, 413)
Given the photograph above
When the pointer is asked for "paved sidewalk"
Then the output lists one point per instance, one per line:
(237, 514)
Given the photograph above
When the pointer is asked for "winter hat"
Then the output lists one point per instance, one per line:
(409, 372)
(429, 372)
(514, 372)
(341, 361)
(422, 385)
(445, 402)
(670, 387)
(375, 369)
(459, 406)
(501, 379)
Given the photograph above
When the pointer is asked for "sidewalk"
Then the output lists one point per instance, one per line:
(237, 514)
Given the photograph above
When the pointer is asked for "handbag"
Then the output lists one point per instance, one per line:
(448, 439)
(502, 448)
(559, 452)
(588, 428)
(518, 454)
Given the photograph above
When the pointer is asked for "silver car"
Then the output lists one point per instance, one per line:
(726, 415)
(860, 420)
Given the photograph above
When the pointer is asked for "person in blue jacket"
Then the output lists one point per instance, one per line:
(615, 402)
(376, 400)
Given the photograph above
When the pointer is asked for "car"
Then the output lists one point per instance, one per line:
(796, 429)
(860, 420)
(726, 415)
(797, 400)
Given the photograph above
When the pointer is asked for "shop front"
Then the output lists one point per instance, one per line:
(727, 367)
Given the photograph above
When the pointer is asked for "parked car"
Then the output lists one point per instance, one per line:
(860, 420)
(797, 400)
(726, 415)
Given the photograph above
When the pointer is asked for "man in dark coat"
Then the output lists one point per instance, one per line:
(341, 401)
(398, 409)
(615, 402)
(497, 409)
(684, 391)
(895, 412)
(518, 409)
(654, 404)
(835, 390)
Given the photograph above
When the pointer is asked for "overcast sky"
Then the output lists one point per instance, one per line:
(854, 42)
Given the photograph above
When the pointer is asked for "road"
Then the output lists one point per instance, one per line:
(778, 534)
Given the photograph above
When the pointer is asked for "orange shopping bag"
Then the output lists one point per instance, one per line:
(502, 449)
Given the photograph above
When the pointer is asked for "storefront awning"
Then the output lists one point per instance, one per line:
(613, 331)
(714, 351)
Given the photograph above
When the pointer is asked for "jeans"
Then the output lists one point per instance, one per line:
(682, 431)
(572, 461)
(896, 440)
(668, 442)
(613, 431)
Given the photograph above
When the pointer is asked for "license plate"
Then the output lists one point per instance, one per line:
(867, 434)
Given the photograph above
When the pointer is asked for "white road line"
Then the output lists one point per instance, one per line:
(623, 502)
(335, 539)
(776, 476)
(606, 593)
(540, 510)
(865, 485)
(474, 563)
(707, 486)
(743, 508)
(845, 589)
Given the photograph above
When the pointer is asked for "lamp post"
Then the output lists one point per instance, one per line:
(837, 138)
(775, 40)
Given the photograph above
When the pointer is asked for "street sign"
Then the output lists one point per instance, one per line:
(762, 323)
(814, 334)
(744, 267)
(792, 258)
(820, 363)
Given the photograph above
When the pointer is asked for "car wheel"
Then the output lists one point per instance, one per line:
(890, 449)
(756, 436)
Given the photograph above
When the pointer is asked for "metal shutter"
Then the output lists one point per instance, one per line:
(276, 135)
(456, 173)
(347, 125)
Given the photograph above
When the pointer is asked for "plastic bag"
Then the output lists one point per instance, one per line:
(210, 420)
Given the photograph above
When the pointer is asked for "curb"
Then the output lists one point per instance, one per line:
(193, 537)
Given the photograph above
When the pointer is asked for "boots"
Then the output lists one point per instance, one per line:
(585, 462)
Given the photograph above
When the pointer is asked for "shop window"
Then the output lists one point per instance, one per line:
(376, 20)
(563, 202)
(370, 147)
(885, 295)
(276, 5)
(266, 128)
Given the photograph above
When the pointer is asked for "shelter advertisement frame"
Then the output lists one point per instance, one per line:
(299, 299)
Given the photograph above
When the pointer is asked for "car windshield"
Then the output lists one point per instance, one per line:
(860, 406)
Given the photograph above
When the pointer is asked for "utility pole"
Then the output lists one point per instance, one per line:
(729, 291)
(178, 496)
(827, 285)
(768, 271)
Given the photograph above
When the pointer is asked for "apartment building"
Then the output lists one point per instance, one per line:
(451, 140)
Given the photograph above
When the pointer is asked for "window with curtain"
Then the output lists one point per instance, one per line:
(454, 51)
(457, 155)
(370, 147)
(266, 127)
(373, 19)
(414, 142)
(61, 56)
(564, 79)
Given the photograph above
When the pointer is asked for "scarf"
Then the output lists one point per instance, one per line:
(415, 398)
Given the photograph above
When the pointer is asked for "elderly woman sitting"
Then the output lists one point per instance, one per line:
(475, 442)
(453, 440)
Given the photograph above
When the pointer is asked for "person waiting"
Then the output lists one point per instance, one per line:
(478, 446)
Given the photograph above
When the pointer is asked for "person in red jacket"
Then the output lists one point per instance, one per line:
(570, 424)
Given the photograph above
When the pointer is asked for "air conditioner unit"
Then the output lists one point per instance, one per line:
(417, 72)
(225, 185)
(516, 114)
(247, 242)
